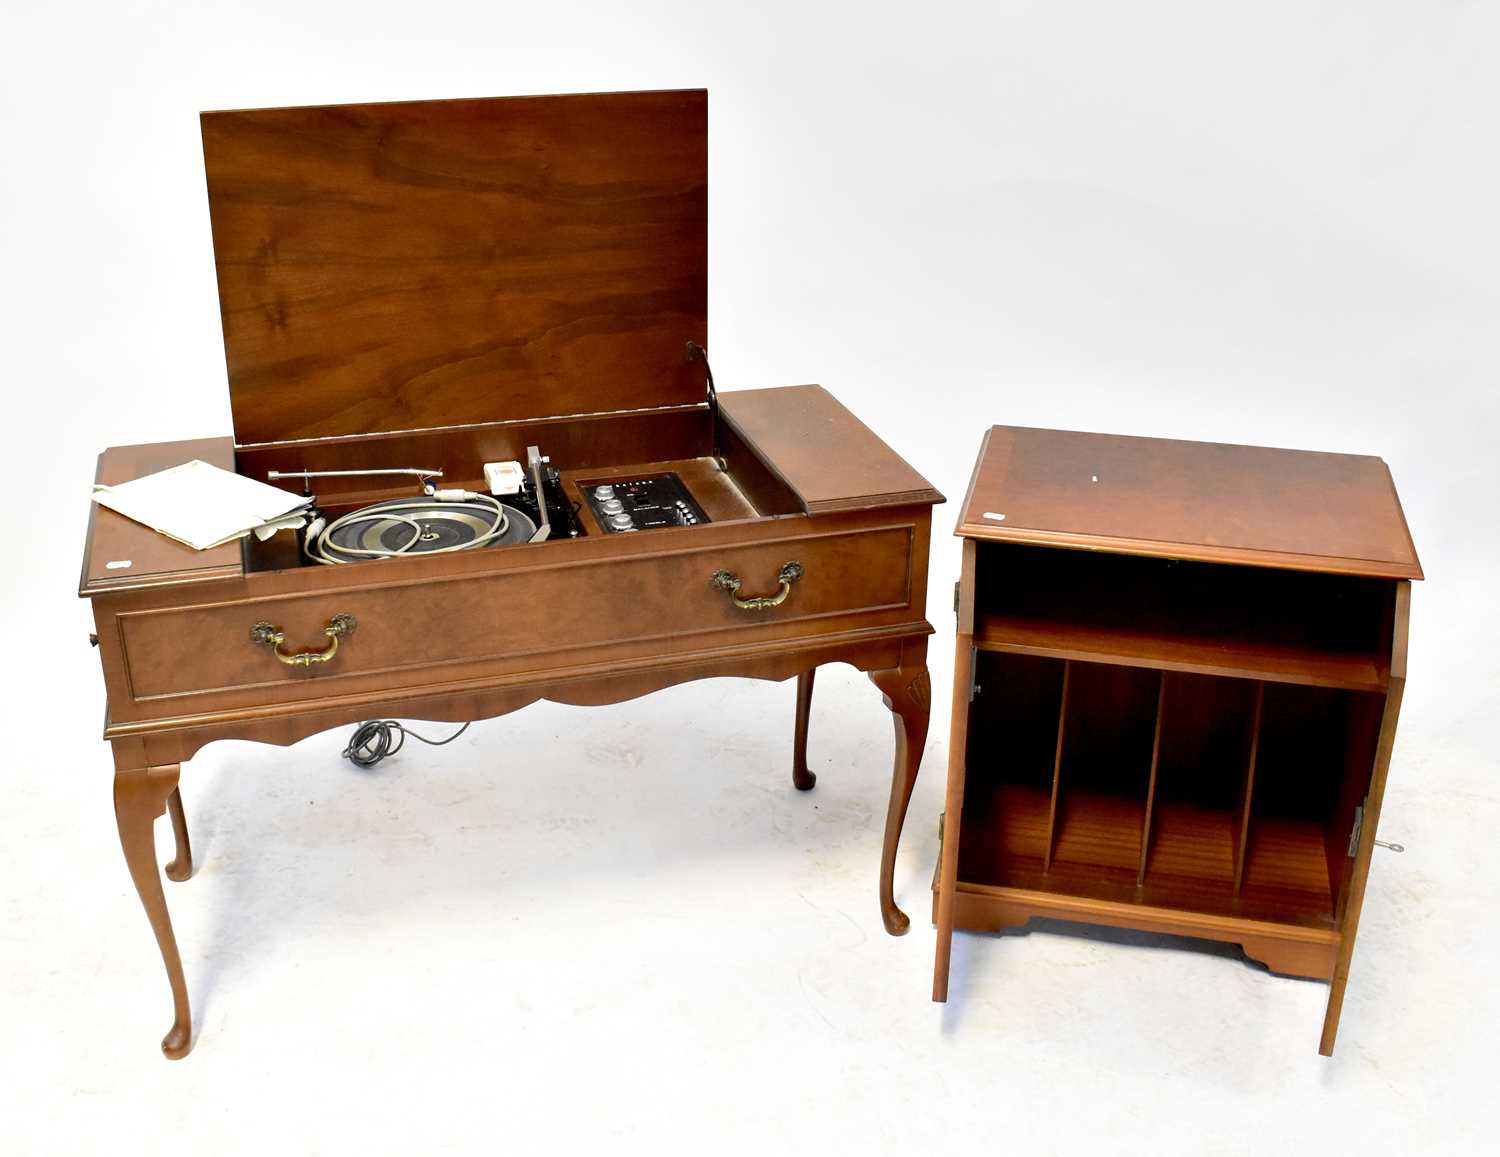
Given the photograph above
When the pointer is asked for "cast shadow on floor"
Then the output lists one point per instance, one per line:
(964, 958)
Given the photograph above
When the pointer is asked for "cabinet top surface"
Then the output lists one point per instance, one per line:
(1206, 501)
(825, 456)
(414, 265)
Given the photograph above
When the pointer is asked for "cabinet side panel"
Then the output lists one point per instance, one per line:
(1360, 871)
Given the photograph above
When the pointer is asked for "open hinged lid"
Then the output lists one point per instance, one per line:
(406, 266)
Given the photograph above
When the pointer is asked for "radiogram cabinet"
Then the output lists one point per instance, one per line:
(448, 284)
(1178, 673)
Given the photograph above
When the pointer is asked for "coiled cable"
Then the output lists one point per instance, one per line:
(318, 543)
(375, 739)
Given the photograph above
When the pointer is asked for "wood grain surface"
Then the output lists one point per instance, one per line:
(1214, 733)
(829, 458)
(406, 631)
(435, 263)
(441, 284)
(1192, 500)
(152, 558)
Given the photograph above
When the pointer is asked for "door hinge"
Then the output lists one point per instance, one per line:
(1359, 820)
(973, 673)
(955, 598)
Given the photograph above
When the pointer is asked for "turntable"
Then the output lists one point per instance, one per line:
(438, 521)
(425, 304)
(417, 526)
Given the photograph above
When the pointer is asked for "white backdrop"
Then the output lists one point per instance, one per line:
(1268, 223)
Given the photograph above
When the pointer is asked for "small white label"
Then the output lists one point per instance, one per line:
(1093, 478)
(118, 564)
(996, 517)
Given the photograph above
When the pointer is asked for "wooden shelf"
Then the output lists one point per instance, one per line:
(1283, 945)
(1288, 856)
(1003, 843)
(1219, 653)
(1012, 821)
(1100, 830)
(1191, 842)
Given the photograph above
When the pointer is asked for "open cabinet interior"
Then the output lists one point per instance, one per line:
(1284, 625)
(1184, 736)
(726, 479)
(437, 285)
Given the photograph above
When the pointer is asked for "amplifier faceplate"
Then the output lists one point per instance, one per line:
(649, 502)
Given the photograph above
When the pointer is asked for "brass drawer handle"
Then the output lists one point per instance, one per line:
(726, 581)
(337, 628)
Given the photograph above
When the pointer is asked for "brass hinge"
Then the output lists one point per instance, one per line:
(955, 598)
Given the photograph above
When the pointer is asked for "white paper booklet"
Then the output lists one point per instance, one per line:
(202, 505)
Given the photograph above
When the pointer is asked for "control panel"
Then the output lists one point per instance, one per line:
(649, 503)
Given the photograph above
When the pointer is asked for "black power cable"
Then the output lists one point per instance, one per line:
(374, 739)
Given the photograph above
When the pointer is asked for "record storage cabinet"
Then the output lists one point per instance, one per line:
(1177, 746)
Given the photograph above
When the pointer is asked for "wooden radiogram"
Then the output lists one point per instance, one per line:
(445, 284)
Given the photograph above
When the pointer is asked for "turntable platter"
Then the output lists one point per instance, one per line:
(418, 526)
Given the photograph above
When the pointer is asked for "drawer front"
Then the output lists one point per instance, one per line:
(522, 619)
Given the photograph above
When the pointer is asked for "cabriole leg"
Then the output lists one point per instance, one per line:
(908, 693)
(140, 797)
(181, 867)
(802, 778)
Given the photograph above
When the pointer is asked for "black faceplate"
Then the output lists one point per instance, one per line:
(648, 502)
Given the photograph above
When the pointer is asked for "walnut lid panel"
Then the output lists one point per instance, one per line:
(406, 266)
(1208, 501)
(828, 458)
